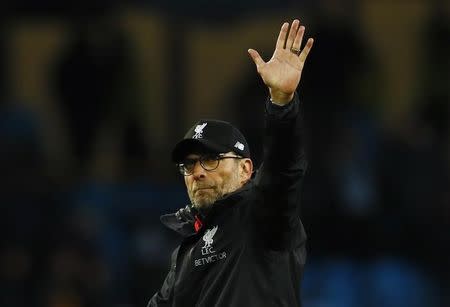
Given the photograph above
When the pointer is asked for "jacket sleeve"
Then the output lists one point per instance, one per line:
(279, 179)
(163, 296)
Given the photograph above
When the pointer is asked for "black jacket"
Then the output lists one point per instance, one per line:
(250, 250)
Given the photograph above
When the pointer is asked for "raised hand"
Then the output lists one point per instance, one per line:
(283, 71)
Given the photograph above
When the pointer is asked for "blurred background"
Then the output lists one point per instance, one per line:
(93, 95)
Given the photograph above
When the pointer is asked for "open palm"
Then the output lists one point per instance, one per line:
(283, 71)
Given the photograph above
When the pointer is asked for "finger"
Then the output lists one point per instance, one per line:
(256, 58)
(292, 33)
(298, 38)
(282, 36)
(306, 50)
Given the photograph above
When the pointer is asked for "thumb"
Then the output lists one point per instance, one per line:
(256, 57)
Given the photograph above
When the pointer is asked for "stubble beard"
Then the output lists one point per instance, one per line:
(204, 199)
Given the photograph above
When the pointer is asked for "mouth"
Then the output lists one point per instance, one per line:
(202, 189)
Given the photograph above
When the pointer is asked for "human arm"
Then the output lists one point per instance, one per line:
(281, 174)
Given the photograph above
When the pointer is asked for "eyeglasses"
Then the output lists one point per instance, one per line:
(207, 162)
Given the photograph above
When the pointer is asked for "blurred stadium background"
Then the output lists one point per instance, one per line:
(94, 94)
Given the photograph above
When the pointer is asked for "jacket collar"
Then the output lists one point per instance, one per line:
(181, 221)
(184, 220)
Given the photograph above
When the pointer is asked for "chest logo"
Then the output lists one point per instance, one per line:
(208, 254)
(208, 238)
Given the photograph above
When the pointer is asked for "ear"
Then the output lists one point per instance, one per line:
(246, 170)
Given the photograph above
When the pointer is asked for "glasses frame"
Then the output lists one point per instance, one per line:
(216, 157)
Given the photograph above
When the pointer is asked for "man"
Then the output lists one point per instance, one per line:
(243, 241)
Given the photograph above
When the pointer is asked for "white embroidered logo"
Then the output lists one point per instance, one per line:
(208, 238)
(199, 131)
(239, 145)
(208, 254)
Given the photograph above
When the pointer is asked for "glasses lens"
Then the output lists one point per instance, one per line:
(187, 167)
(209, 162)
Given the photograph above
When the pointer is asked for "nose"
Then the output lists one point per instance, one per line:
(198, 171)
